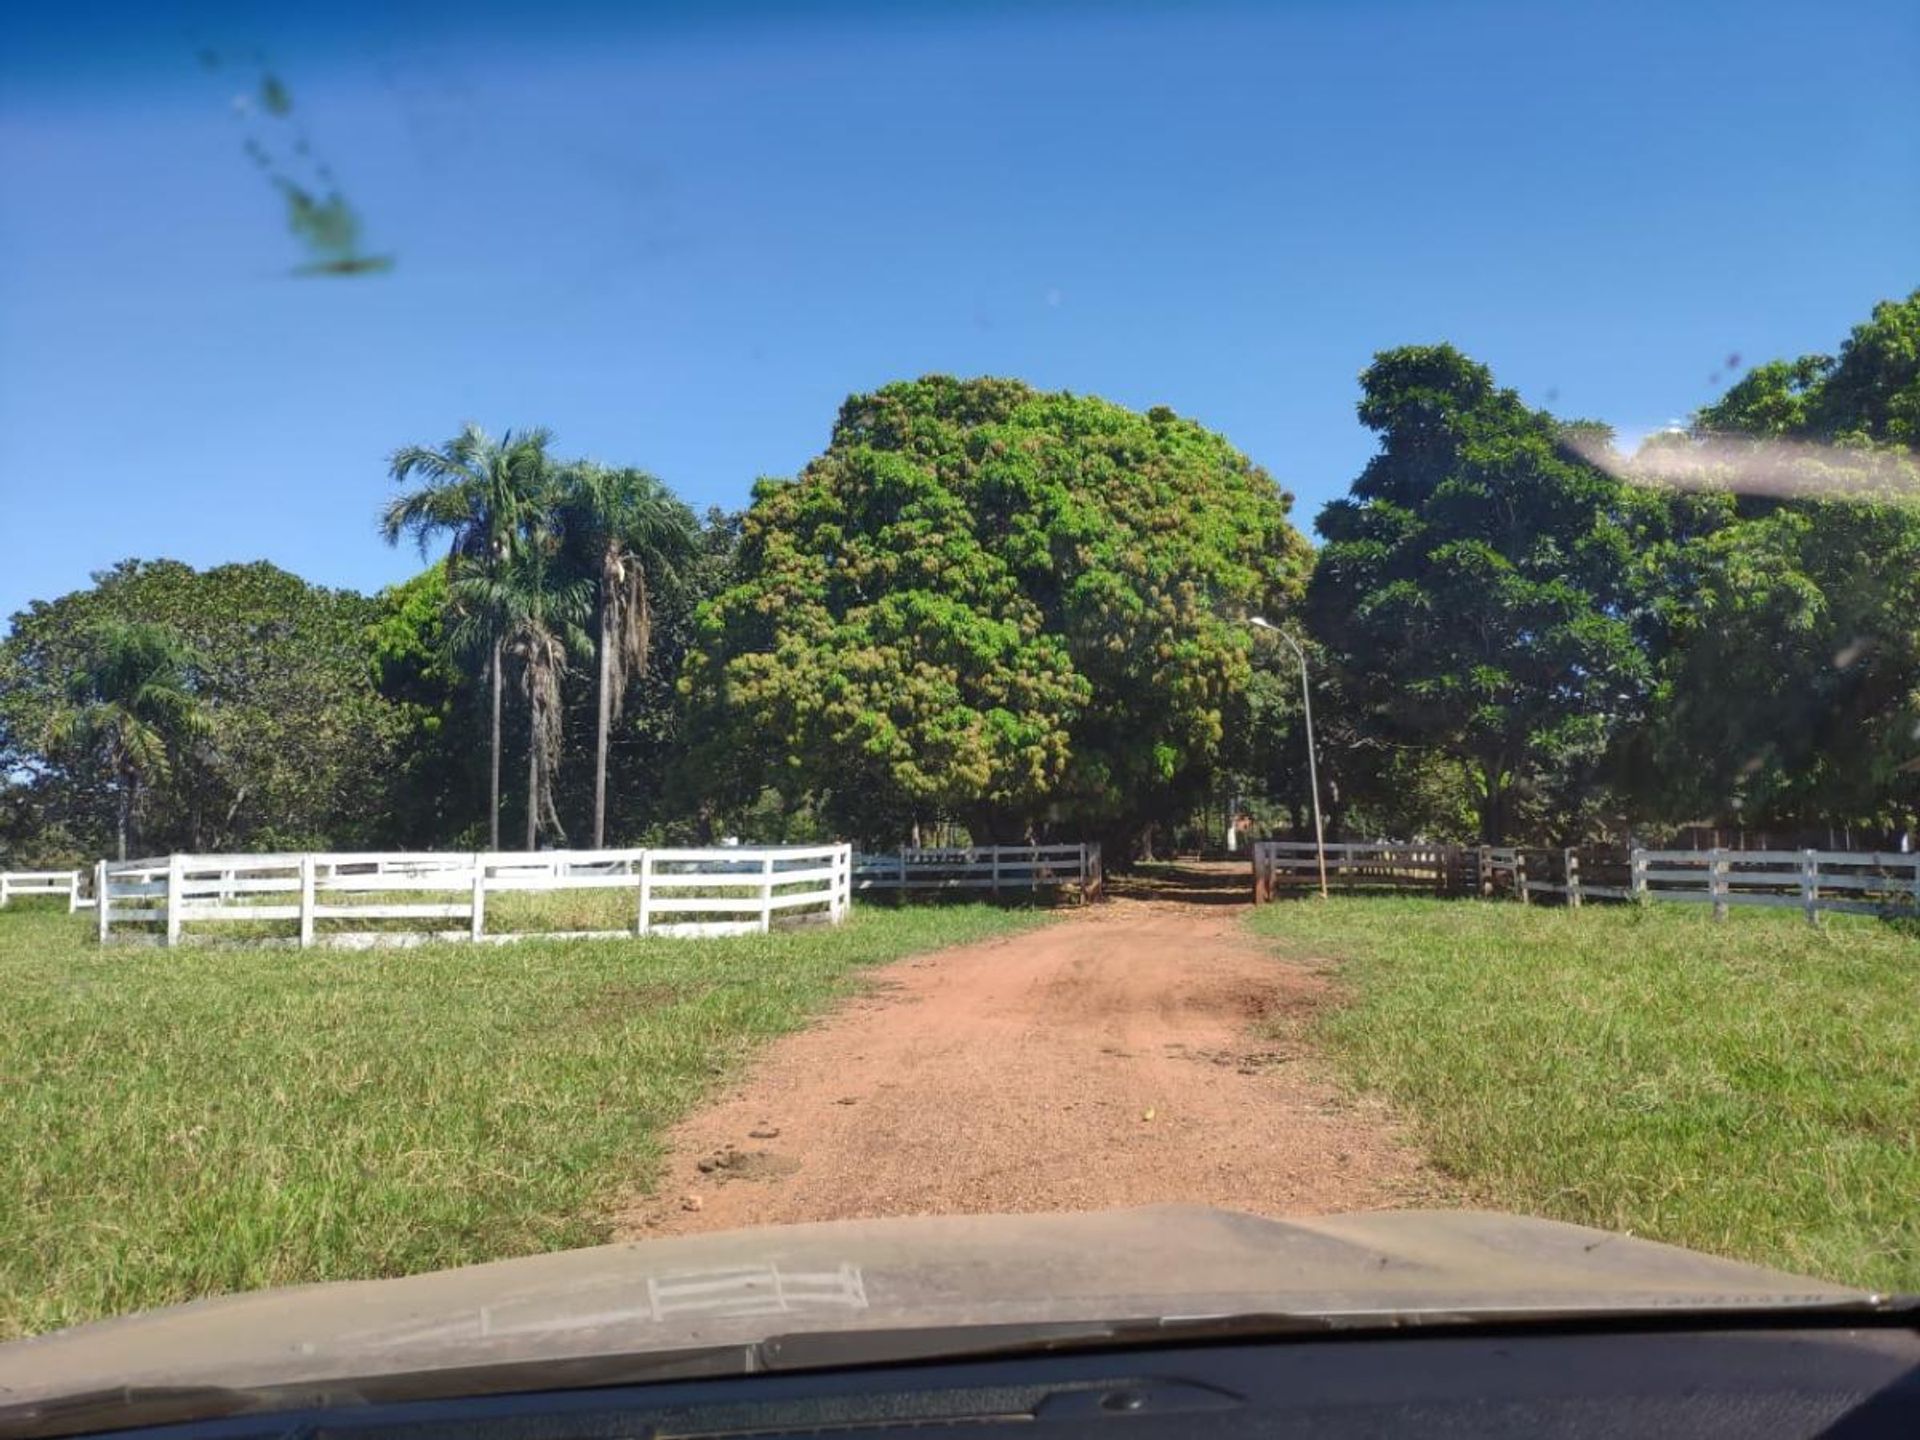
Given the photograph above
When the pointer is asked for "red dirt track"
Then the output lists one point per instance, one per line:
(1124, 1055)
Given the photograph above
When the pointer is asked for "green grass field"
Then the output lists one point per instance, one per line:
(1749, 1088)
(181, 1123)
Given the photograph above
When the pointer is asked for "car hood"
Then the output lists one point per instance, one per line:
(849, 1291)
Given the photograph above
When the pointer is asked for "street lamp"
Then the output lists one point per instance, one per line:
(1313, 768)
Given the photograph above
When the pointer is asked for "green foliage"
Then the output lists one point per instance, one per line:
(998, 604)
(1792, 690)
(1790, 686)
(295, 739)
(132, 710)
(1746, 1088)
(1477, 589)
(435, 785)
(1869, 395)
(488, 499)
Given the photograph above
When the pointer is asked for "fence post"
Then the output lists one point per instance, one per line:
(477, 916)
(1717, 882)
(103, 920)
(1572, 858)
(73, 892)
(1810, 886)
(993, 852)
(175, 884)
(306, 902)
(1637, 873)
(1520, 875)
(766, 892)
(644, 919)
(1097, 880)
(5, 880)
(1481, 880)
(903, 871)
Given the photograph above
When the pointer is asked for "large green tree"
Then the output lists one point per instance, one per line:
(1789, 692)
(1477, 588)
(298, 740)
(997, 604)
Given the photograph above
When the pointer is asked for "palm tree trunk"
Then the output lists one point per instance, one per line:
(533, 773)
(602, 724)
(126, 813)
(493, 779)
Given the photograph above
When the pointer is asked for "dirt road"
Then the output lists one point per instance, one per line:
(1121, 1056)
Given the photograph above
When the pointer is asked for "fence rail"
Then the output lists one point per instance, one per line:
(1281, 863)
(723, 891)
(46, 882)
(997, 868)
(1815, 881)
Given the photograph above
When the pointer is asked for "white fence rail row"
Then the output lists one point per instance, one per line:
(996, 868)
(723, 891)
(1858, 882)
(46, 882)
(1847, 881)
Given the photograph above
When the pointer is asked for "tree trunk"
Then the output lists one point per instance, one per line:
(493, 774)
(126, 813)
(1493, 813)
(603, 722)
(533, 774)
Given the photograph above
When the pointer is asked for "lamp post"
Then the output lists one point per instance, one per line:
(1313, 768)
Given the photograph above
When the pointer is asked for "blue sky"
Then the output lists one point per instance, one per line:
(681, 235)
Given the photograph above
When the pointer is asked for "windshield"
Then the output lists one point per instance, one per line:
(628, 622)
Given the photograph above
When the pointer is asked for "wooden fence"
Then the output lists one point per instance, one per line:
(1279, 864)
(997, 868)
(1849, 881)
(46, 882)
(722, 891)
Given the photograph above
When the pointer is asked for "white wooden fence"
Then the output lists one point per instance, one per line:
(996, 868)
(1851, 881)
(45, 882)
(723, 891)
(1860, 882)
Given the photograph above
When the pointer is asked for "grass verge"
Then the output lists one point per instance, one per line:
(1749, 1088)
(183, 1123)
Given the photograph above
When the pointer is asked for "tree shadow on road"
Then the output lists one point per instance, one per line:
(1188, 882)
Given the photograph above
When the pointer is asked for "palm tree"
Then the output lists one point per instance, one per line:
(482, 493)
(535, 607)
(632, 535)
(132, 705)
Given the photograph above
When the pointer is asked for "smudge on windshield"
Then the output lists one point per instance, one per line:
(322, 221)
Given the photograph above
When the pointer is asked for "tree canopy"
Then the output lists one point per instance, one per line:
(1790, 681)
(989, 602)
(296, 737)
(1476, 589)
